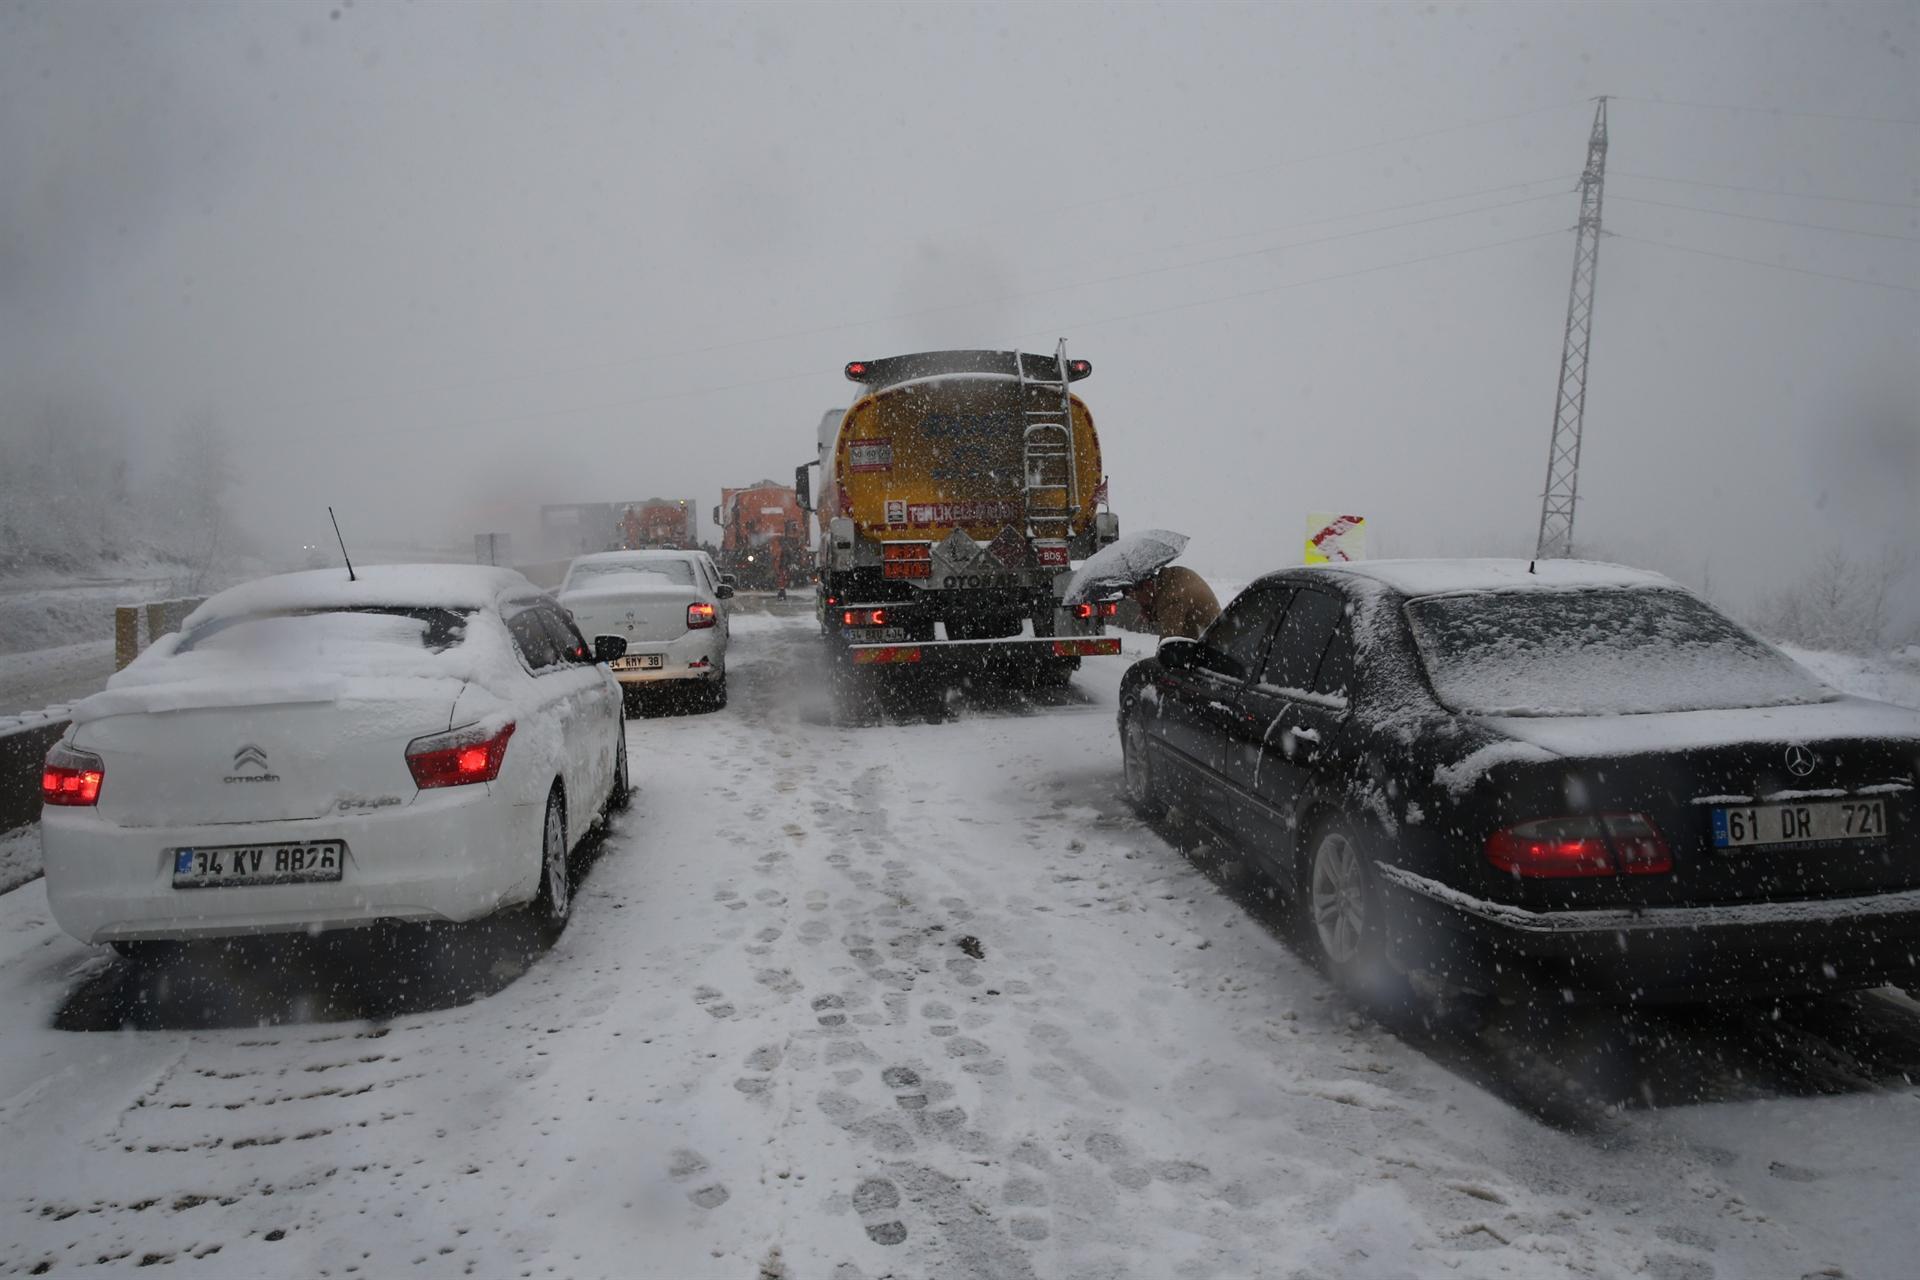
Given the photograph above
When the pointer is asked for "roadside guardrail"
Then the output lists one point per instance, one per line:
(24, 741)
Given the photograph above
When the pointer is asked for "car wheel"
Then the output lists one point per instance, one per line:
(1344, 917)
(718, 694)
(1142, 793)
(622, 793)
(553, 904)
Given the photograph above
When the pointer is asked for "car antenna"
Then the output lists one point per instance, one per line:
(343, 546)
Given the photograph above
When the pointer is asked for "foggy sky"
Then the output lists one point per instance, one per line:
(438, 264)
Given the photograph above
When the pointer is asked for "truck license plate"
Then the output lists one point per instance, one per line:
(307, 862)
(1811, 823)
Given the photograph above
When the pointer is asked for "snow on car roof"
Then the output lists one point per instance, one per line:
(633, 557)
(421, 586)
(1444, 577)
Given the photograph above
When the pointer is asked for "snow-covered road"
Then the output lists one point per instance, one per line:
(912, 999)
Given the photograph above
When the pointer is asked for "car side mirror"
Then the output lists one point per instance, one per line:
(1177, 653)
(723, 592)
(803, 486)
(607, 648)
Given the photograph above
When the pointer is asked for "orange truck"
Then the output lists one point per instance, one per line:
(658, 522)
(954, 496)
(763, 536)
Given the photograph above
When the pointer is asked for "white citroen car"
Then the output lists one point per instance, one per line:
(669, 606)
(429, 742)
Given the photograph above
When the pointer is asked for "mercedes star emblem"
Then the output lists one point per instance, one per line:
(1800, 761)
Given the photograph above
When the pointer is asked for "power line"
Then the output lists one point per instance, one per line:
(1769, 111)
(627, 403)
(1295, 284)
(1771, 266)
(1778, 222)
(1768, 191)
(1335, 154)
(919, 313)
(1343, 217)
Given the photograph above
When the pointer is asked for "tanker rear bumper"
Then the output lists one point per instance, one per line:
(927, 653)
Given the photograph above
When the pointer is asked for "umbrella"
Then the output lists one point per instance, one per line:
(1124, 562)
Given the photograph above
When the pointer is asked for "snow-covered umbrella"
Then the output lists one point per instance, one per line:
(1124, 562)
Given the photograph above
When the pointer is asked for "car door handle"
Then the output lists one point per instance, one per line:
(1307, 735)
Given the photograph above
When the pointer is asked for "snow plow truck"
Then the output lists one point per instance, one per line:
(954, 496)
(763, 536)
(658, 522)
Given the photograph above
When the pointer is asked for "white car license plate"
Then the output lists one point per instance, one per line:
(305, 862)
(640, 662)
(1810, 823)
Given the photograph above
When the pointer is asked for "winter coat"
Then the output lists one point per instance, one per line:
(1183, 603)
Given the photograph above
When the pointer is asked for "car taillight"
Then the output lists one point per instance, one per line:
(863, 618)
(699, 614)
(71, 777)
(458, 758)
(1562, 848)
(1110, 609)
(1083, 611)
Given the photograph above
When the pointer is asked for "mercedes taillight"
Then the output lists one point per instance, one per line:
(1564, 848)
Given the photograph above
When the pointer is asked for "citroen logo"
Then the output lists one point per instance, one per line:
(1800, 761)
(251, 757)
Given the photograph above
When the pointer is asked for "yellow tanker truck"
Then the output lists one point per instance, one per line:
(954, 496)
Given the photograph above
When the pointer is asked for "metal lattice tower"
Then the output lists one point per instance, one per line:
(1570, 408)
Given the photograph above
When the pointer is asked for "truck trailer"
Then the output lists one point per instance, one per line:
(763, 536)
(955, 494)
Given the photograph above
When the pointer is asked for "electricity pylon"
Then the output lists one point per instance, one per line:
(1570, 407)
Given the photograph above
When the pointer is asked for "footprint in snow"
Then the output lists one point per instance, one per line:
(780, 980)
(710, 999)
(1028, 1194)
(877, 1201)
(760, 1065)
(686, 1165)
(1114, 1152)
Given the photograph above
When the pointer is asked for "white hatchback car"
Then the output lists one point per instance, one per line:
(669, 606)
(429, 742)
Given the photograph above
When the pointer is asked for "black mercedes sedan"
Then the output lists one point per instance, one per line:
(1559, 781)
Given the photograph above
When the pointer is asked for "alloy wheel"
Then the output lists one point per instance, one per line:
(1339, 898)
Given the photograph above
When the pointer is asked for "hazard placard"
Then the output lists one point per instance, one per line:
(1332, 537)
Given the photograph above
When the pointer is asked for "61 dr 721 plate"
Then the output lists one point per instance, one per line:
(1814, 822)
(307, 862)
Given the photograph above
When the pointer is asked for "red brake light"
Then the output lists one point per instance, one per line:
(699, 614)
(458, 758)
(1110, 609)
(71, 778)
(1081, 367)
(1083, 611)
(856, 369)
(1564, 848)
(864, 618)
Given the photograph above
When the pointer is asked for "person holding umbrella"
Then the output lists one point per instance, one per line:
(1176, 601)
